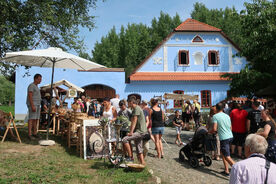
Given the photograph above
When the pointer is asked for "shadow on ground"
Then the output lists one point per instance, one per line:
(23, 133)
(201, 168)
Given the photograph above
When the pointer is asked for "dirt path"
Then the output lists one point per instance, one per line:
(170, 170)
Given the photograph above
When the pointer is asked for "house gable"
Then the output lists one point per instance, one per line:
(165, 57)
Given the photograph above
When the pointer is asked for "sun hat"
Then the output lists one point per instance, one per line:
(47, 94)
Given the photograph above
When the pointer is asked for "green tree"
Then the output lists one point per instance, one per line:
(258, 43)
(133, 44)
(7, 91)
(254, 30)
(228, 19)
(54, 22)
(162, 27)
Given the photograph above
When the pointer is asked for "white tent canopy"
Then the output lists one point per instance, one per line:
(45, 58)
(65, 83)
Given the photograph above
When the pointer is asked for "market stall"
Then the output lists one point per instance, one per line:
(68, 122)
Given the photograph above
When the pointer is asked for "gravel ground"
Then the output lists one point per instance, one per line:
(170, 170)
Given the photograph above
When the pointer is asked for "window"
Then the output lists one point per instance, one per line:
(213, 57)
(197, 39)
(206, 98)
(178, 103)
(228, 94)
(198, 58)
(183, 57)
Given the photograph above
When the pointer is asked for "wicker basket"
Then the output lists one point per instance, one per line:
(136, 167)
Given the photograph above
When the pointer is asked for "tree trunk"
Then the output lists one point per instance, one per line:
(10, 102)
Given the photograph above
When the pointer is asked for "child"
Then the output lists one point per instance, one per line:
(178, 123)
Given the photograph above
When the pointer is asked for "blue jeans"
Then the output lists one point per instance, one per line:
(157, 130)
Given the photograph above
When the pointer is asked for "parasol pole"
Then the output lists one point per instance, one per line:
(51, 93)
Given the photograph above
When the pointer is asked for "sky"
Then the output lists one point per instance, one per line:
(121, 12)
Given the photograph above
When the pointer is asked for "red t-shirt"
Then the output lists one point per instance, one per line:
(238, 120)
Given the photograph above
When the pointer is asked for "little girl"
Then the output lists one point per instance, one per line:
(178, 123)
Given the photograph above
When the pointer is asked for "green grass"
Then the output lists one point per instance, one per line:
(31, 163)
(6, 108)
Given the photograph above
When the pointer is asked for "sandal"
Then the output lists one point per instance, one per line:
(241, 157)
(224, 173)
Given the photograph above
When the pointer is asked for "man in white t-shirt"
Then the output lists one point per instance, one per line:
(33, 102)
(115, 102)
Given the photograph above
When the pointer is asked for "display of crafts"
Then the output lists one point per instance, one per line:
(103, 122)
(75, 106)
(62, 111)
(124, 121)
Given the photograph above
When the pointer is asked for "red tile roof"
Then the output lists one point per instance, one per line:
(177, 76)
(194, 25)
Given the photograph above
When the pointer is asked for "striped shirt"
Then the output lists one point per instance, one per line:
(252, 170)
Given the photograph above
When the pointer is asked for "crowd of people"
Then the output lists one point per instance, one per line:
(144, 123)
(241, 130)
(235, 127)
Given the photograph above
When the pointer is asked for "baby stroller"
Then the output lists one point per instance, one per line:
(197, 148)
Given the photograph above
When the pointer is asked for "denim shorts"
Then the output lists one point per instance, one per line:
(178, 129)
(157, 130)
(225, 147)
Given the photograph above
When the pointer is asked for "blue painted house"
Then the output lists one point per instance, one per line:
(189, 61)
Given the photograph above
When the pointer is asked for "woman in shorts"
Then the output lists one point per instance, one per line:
(157, 116)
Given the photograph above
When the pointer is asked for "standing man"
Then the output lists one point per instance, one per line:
(83, 100)
(253, 119)
(222, 125)
(254, 169)
(115, 102)
(196, 113)
(138, 129)
(33, 104)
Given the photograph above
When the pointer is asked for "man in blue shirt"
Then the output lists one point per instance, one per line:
(222, 125)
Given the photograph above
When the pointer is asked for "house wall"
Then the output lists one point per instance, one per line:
(149, 89)
(115, 80)
(165, 59)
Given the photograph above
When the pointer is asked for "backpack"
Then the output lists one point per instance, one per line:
(188, 109)
(196, 111)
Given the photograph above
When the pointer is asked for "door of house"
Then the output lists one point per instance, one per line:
(98, 91)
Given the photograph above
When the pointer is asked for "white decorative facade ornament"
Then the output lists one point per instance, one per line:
(217, 39)
(177, 39)
(238, 61)
(198, 57)
(157, 60)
